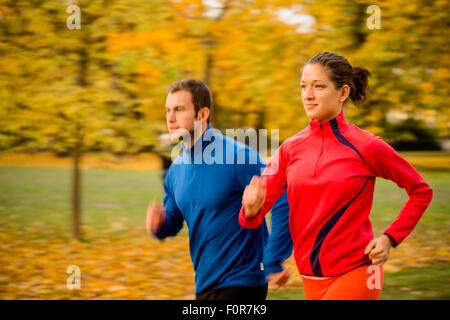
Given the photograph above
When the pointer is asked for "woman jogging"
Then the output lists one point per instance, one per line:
(329, 170)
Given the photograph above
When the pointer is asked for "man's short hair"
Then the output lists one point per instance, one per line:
(201, 94)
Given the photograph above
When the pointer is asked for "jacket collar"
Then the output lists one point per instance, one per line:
(338, 120)
(200, 144)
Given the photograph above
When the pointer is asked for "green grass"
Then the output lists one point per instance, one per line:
(111, 199)
(432, 282)
(389, 199)
(35, 196)
(114, 200)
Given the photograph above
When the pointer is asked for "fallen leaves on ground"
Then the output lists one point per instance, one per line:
(133, 265)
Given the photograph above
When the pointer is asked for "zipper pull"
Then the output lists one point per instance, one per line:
(320, 126)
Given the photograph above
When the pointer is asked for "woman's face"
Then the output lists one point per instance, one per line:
(321, 100)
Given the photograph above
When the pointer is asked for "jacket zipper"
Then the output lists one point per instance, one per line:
(316, 168)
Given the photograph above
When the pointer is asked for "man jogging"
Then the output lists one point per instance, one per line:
(204, 187)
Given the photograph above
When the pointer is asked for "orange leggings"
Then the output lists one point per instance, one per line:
(362, 283)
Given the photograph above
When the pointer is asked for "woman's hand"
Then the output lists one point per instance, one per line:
(378, 250)
(254, 195)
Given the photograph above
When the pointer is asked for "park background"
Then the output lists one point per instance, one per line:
(82, 109)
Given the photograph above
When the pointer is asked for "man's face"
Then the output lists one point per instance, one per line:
(180, 113)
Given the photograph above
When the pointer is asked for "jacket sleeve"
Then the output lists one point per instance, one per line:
(279, 245)
(276, 186)
(247, 164)
(174, 218)
(385, 162)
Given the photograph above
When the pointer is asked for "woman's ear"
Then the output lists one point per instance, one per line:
(345, 92)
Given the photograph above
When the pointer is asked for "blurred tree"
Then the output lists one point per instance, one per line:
(408, 57)
(103, 86)
(411, 134)
(61, 91)
(242, 49)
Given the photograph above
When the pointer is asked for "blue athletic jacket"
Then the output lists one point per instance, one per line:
(204, 187)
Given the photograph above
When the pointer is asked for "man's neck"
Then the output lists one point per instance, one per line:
(196, 134)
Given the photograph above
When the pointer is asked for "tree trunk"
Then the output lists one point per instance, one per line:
(76, 194)
(77, 151)
(207, 79)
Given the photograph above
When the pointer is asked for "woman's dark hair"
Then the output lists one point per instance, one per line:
(341, 72)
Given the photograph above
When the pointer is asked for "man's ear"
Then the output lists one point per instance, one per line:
(203, 114)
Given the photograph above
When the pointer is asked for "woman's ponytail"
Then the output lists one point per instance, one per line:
(361, 82)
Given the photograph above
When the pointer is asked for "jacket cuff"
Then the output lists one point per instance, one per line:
(249, 223)
(272, 268)
(394, 242)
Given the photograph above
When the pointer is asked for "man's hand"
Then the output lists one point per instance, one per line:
(378, 250)
(279, 279)
(254, 195)
(155, 217)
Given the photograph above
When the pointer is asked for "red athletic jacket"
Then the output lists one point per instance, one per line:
(329, 169)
